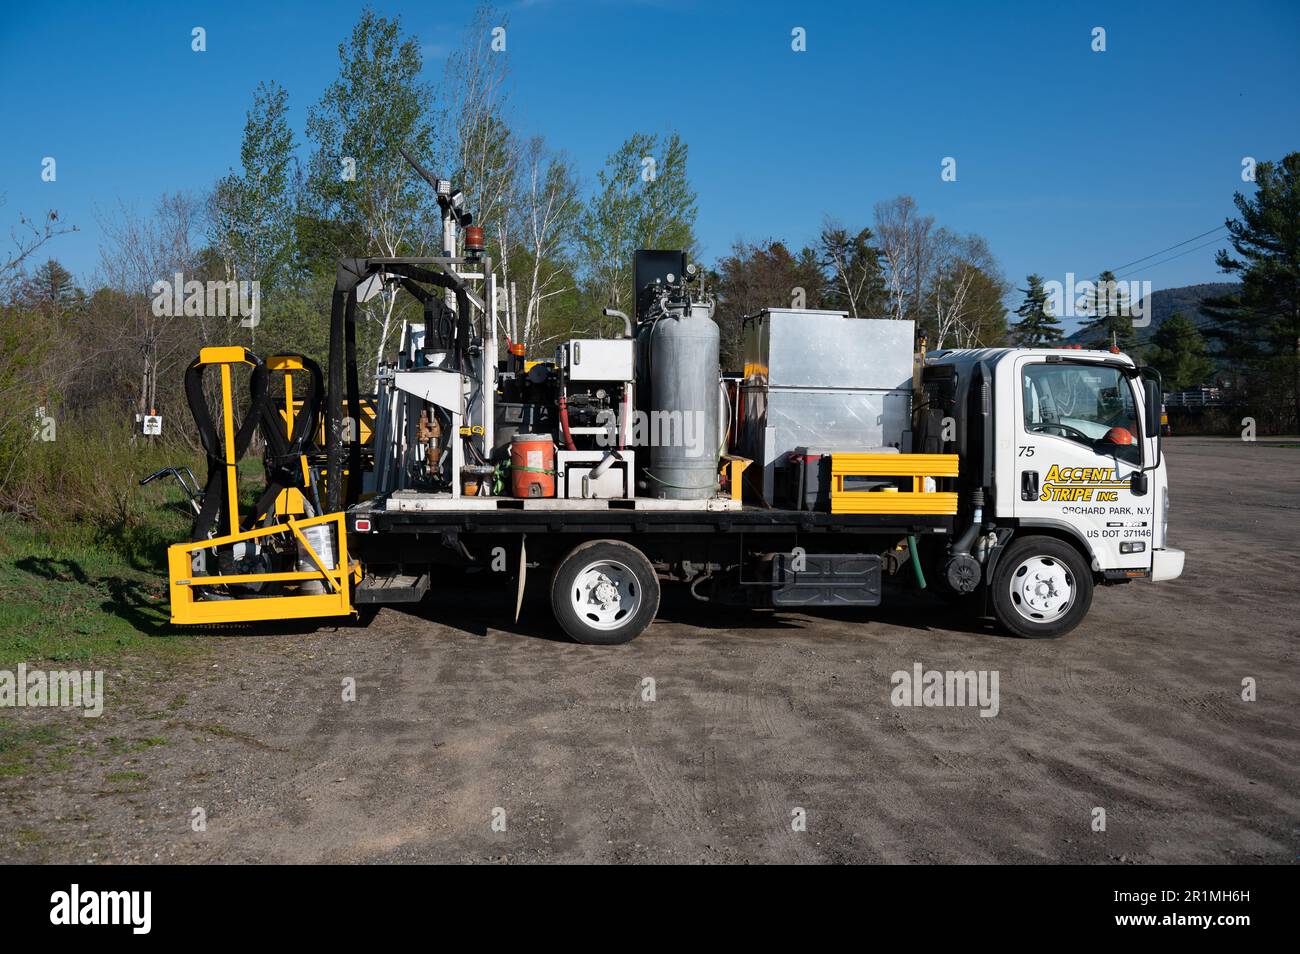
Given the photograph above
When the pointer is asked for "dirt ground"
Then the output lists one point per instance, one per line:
(462, 717)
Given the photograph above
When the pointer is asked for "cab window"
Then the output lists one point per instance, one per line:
(1088, 404)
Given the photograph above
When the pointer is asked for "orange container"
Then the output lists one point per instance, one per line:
(532, 465)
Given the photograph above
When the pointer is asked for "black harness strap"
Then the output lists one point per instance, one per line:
(283, 455)
(215, 491)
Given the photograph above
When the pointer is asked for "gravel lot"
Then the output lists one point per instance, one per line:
(461, 713)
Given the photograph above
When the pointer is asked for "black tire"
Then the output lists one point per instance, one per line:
(630, 576)
(1054, 561)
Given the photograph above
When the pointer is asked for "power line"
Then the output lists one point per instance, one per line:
(1214, 241)
(1171, 248)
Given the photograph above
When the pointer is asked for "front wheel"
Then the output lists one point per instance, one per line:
(604, 592)
(1042, 588)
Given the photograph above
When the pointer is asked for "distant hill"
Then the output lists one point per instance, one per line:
(1166, 301)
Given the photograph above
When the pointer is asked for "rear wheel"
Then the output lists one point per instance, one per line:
(604, 592)
(1042, 588)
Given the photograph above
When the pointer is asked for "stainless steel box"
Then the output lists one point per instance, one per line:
(788, 347)
(820, 378)
(599, 359)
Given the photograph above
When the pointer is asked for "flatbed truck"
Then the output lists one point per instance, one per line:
(1015, 480)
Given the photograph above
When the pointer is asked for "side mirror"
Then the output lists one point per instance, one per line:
(1153, 390)
(1153, 404)
(1138, 483)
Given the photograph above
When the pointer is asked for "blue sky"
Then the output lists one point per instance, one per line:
(1067, 159)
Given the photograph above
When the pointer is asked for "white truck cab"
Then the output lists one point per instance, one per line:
(1065, 445)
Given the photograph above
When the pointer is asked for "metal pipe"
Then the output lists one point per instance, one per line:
(627, 322)
(963, 543)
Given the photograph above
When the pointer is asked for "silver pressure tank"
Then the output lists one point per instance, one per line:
(682, 430)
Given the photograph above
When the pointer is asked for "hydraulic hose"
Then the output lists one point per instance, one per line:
(916, 561)
(564, 422)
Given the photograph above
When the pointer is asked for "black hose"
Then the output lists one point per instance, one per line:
(963, 543)
(216, 490)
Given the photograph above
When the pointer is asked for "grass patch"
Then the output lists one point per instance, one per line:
(77, 598)
(125, 776)
(91, 591)
(26, 749)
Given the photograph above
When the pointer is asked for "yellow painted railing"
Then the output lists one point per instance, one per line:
(917, 467)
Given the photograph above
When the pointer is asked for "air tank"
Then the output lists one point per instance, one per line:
(679, 352)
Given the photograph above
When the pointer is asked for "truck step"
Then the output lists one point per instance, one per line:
(392, 588)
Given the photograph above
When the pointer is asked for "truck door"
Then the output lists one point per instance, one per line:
(1078, 443)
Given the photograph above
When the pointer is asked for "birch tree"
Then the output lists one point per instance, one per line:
(477, 146)
(357, 174)
(250, 212)
(961, 265)
(906, 242)
(857, 285)
(643, 199)
(139, 251)
(547, 207)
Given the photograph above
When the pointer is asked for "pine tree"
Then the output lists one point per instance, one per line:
(1179, 354)
(1038, 327)
(1112, 318)
(1259, 328)
(53, 292)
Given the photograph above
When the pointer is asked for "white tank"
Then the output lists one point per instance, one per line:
(681, 351)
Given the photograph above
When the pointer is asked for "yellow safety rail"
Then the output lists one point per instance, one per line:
(335, 601)
(290, 500)
(227, 357)
(916, 466)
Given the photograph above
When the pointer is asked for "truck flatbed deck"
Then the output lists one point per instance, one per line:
(511, 516)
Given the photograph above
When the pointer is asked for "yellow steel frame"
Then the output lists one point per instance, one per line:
(735, 468)
(336, 601)
(290, 500)
(916, 466)
(227, 357)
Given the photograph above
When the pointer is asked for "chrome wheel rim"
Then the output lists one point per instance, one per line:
(1042, 589)
(605, 595)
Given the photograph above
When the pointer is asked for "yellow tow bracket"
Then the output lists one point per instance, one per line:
(189, 606)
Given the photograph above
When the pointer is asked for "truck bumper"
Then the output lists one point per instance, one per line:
(1166, 565)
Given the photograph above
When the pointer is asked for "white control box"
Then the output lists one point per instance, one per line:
(599, 359)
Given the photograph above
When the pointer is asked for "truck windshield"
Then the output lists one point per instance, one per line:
(1088, 404)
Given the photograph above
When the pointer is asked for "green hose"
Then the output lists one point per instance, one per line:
(916, 561)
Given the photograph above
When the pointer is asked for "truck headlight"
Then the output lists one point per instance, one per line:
(1164, 519)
